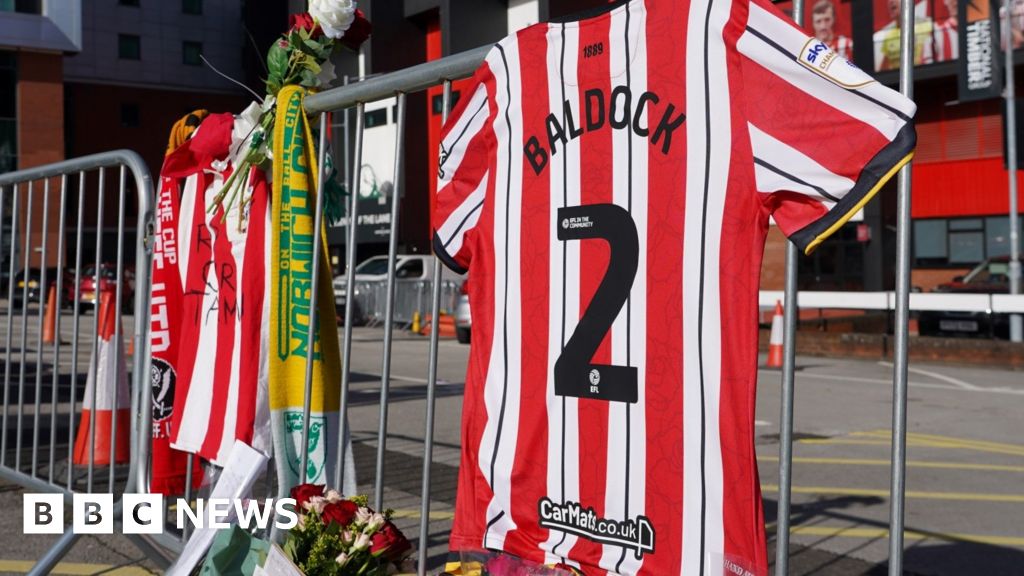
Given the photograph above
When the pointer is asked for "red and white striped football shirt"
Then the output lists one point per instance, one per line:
(608, 184)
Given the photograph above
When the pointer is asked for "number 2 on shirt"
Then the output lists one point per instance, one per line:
(575, 374)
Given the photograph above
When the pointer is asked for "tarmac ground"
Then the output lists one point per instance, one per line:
(965, 464)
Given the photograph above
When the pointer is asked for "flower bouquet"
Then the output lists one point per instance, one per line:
(340, 536)
(302, 56)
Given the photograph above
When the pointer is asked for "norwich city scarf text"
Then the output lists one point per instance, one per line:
(294, 203)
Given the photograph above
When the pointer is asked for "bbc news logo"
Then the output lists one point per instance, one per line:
(144, 513)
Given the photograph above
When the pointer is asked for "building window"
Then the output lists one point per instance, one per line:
(130, 115)
(192, 7)
(129, 47)
(21, 6)
(374, 118)
(437, 102)
(8, 112)
(961, 242)
(191, 52)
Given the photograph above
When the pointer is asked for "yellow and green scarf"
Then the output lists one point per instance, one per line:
(292, 237)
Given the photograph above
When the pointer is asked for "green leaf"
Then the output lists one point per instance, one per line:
(307, 78)
(277, 66)
(314, 48)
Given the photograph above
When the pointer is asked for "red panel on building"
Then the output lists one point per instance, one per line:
(961, 188)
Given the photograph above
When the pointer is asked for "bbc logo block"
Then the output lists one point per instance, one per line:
(43, 514)
(93, 514)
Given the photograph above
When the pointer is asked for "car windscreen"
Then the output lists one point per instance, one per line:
(105, 272)
(989, 272)
(378, 265)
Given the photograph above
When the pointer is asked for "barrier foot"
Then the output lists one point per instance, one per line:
(49, 560)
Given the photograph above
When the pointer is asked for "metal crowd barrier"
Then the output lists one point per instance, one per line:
(387, 308)
(43, 385)
(412, 297)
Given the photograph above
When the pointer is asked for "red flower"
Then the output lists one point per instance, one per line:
(303, 492)
(358, 32)
(304, 22)
(341, 512)
(390, 541)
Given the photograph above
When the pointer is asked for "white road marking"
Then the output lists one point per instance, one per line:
(888, 382)
(937, 376)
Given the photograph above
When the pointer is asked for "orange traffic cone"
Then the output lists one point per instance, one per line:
(50, 321)
(775, 341)
(109, 380)
(445, 326)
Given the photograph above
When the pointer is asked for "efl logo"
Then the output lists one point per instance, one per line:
(144, 513)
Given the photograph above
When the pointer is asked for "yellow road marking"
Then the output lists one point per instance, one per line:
(73, 568)
(416, 514)
(882, 533)
(910, 442)
(917, 494)
(951, 442)
(910, 463)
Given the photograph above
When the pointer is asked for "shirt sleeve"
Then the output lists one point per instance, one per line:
(824, 135)
(464, 172)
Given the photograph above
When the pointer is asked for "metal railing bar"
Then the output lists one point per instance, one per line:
(389, 305)
(132, 160)
(350, 275)
(56, 322)
(10, 320)
(117, 341)
(412, 79)
(75, 327)
(900, 357)
(93, 361)
(24, 326)
(790, 314)
(42, 292)
(311, 337)
(428, 433)
(142, 403)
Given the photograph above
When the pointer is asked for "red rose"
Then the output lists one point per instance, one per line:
(341, 512)
(390, 541)
(303, 492)
(304, 22)
(358, 32)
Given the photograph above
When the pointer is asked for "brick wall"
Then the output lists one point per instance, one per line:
(41, 139)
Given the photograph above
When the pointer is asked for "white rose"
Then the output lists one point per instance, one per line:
(333, 496)
(341, 559)
(362, 543)
(375, 522)
(316, 504)
(363, 515)
(334, 16)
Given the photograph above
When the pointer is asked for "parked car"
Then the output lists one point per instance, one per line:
(408, 267)
(88, 294)
(35, 293)
(990, 277)
(463, 320)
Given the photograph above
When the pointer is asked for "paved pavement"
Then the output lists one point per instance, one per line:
(965, 497)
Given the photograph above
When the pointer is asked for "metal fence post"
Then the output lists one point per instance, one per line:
(1016, 328)
(428, 433)
(790, 315)
(350, 275)
(899, 402)
(389, 305)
